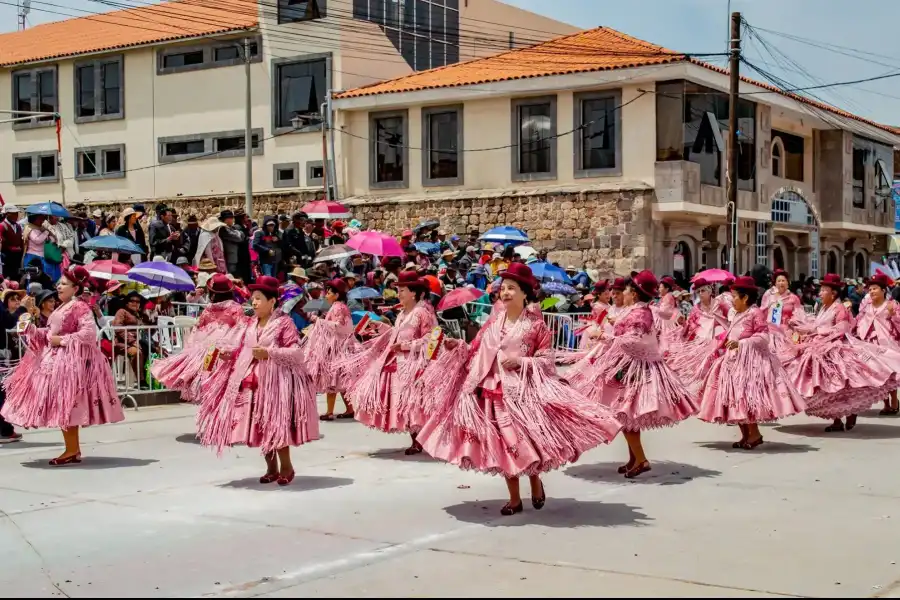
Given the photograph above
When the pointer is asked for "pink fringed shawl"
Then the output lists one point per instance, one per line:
(279, 412)
(329, 343)
(65, 386)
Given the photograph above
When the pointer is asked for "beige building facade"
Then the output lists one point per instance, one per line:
(152, 100)
(628, 157)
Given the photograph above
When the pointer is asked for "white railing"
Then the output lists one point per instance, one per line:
(188, 309)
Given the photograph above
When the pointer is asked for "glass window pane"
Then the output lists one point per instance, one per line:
(47, 166)
(24, 169)
(301, 89)
(436, 26)
(112, 88)
(535, 125)
(669, 121)
(227, 53)
(23, 92)
(86, 104)
(599, 134)
(87, 165)
(443, 145)
(389, 149)
(112, 161)
(360, 10)
(408, 48)
(438, 54)
(423, 54)
(47, 92)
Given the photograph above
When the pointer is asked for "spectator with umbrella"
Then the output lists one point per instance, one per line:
(38, 240)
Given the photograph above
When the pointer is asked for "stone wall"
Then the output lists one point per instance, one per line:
(610, 229)
(208, 206)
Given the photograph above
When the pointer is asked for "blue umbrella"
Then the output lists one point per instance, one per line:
(505, 235)
(427, 247)
(557, 287)
(545, 273)
(49, 209)
(115, 243)
(363, 293)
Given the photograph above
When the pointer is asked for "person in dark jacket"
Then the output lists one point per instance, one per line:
(267, 244)
(132, 230)
(299, 242)
(189, 238)
(232, 239)
(11, 242)
(10, 310)
(163, 236)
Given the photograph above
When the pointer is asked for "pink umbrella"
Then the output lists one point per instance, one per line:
(323, 209)
(108, 269)
(458, 297)
(713, 275)
(376, 244)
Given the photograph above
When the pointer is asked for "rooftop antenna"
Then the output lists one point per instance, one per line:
(24, 9)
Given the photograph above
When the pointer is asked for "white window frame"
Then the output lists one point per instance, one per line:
(100, 153)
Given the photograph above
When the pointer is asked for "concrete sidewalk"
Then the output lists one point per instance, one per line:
(151, 513)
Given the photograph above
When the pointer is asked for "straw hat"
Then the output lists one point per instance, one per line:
(212, 224)
(127, 213)
(207, 265)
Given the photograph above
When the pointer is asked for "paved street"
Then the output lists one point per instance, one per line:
(151, 513)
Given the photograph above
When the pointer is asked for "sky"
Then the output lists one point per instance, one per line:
(861, 35)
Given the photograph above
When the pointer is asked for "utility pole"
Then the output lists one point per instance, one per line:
(326, 176)
(732, 176)
(248, 134)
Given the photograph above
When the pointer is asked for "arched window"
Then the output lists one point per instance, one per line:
(777, 158)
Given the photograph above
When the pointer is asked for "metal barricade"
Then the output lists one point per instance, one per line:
(452, 327)
(562, 329)
(188, 309)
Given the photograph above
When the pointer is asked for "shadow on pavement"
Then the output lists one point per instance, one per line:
(300, 484)
(663, 473)
(188, 438)
(399, 455)
(558, 512)
(95, 463)
(766, 448)
(862, 431)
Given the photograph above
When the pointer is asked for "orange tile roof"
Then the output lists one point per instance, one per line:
(164, 22)
(600, 49)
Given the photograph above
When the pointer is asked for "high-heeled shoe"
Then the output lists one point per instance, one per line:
(509, 510)
(538, 503)
(283, 481)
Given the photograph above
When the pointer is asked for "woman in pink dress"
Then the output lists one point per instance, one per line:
(744, 382)
(384, 395)
(667, 317)
(64, 380)
(699, 337)
(839, 376)
(328, 345)
(500, 407)
(259, 394)
(878, 322)
(724, 302)
(599, 316)
(183, 372)
(631, 377)
(783, 311)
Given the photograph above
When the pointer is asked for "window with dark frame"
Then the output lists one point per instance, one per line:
(598, 134)
(87, 164)
(35, 91)
(535, 127)
(860, 156)
(300, 91)
(98, 90)
(286, 174)
(293, 11)
(184, 148)
(36, 167)
(183, 59)
(443, 144)
(234, 142)
(389, 149)
(112, 161)
(99, 162)
(317, 172)
(792, 163)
